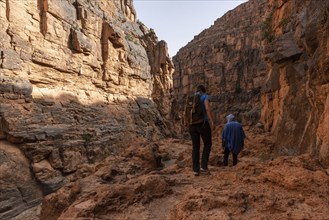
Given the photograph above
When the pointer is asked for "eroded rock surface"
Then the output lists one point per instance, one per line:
(131, 186)
(228, 59)
(19, 190)
(270, 67)
(296, 92)
(79, 81)
(85, 94)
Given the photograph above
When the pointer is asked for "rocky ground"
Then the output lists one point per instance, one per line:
(138, 185)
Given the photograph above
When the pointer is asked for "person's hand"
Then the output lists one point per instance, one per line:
(212, 125)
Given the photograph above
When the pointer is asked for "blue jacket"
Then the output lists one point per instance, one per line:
(203, 98)
(233, 136)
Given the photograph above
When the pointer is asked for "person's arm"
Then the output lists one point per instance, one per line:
(185, 119)
(209, 114)
(185, 114)
(243, 135)
(223, 137)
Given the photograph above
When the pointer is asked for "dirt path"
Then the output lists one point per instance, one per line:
(259, 187)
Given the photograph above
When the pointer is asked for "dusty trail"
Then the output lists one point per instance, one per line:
(259, 187)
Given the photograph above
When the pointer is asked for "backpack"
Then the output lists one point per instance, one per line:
(193, 112)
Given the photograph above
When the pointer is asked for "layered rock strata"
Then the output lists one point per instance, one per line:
(79, 80)
(268, 66)
(296, 92)
(227, 59)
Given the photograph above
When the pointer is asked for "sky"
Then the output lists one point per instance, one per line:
(178, 21)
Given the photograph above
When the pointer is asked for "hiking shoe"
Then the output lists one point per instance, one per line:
(196, 173)
(204, 171)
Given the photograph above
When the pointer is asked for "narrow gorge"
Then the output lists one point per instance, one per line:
(270, 66)
(91, 112)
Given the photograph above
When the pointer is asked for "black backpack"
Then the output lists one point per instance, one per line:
(193, 112)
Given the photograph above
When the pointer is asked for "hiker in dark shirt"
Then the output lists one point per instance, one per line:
(232, 139)
(203, 130)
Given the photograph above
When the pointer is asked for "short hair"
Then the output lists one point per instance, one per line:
(201, 88)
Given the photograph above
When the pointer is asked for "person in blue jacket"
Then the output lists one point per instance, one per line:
(232, 139)
(203, 130)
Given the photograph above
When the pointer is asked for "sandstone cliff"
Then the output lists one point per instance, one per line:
(295, 96)
(227, 58)
(84, 99)
(130, 185)
(268, 66)
(80, 79)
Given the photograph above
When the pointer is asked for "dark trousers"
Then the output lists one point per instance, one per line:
(196, 131)
(226, 154)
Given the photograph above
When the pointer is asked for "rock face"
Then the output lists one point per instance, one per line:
(268, 66)
(296, 92)
(227, 59)
(18, 191)
(79, 80)
(85, 94)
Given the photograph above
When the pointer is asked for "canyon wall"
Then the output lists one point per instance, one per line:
(295, 96)
(227, 59)
(266, 62)
(79, 80)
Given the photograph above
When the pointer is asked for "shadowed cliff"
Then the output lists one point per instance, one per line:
(79, 80)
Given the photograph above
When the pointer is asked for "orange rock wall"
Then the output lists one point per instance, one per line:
(227, 59)
(266, 62)
(295, 96)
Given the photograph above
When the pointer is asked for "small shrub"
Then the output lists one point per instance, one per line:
(238, 90)
(129, 37)
(268, 33)
(86, 137)
(283, 23)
